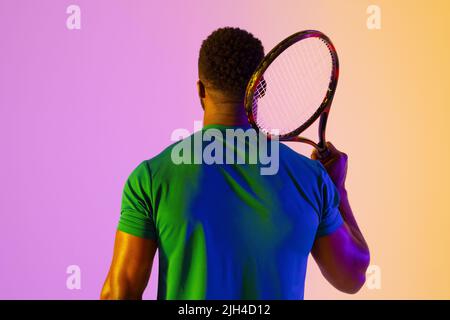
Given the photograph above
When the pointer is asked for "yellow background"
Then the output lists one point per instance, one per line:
(391, 115)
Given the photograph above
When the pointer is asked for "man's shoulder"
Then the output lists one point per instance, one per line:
(166, 156)
(295, 160)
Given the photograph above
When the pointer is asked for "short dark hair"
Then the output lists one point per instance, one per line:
(228, 58)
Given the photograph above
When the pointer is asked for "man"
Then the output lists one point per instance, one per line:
(225, 231)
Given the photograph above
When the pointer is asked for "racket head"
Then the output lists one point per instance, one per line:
(261, 82)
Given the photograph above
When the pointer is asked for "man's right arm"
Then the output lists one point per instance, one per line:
(342, 256)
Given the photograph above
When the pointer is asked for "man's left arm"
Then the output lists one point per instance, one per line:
(130, 268)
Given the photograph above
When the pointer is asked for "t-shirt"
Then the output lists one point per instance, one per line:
(226, 231)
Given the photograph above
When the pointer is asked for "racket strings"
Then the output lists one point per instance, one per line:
(312, 72)
(294, 86)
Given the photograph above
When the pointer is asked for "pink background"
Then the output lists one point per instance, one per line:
(79, 109)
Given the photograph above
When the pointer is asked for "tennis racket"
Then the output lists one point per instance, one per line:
(292, 87)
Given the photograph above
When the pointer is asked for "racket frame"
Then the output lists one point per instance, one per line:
(324, 107)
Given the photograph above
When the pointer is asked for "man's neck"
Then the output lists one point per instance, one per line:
(225, 115)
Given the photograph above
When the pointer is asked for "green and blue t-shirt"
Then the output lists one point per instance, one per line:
(224, 231)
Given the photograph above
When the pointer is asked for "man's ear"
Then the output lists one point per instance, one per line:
(201, 89)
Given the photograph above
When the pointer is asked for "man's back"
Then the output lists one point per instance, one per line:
(225, 231)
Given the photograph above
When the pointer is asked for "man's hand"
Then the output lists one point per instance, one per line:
(336, 165)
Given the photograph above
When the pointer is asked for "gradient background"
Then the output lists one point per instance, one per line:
(79, 109)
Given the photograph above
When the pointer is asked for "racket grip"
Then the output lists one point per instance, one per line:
(323, 152)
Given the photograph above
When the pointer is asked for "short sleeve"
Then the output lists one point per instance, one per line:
(331, 218)
(136, 212)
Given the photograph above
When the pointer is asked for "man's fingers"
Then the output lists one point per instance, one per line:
(332, 148)
(315, 154)
(330, 153)
(333, 154)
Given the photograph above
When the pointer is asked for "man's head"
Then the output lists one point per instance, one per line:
(227, 60)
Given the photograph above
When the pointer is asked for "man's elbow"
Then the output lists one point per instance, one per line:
(106, 291)
(353, 286)
(104, 295)
(120, 288)
(358, 278)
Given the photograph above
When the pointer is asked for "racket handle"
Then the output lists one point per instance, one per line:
(323, 152)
